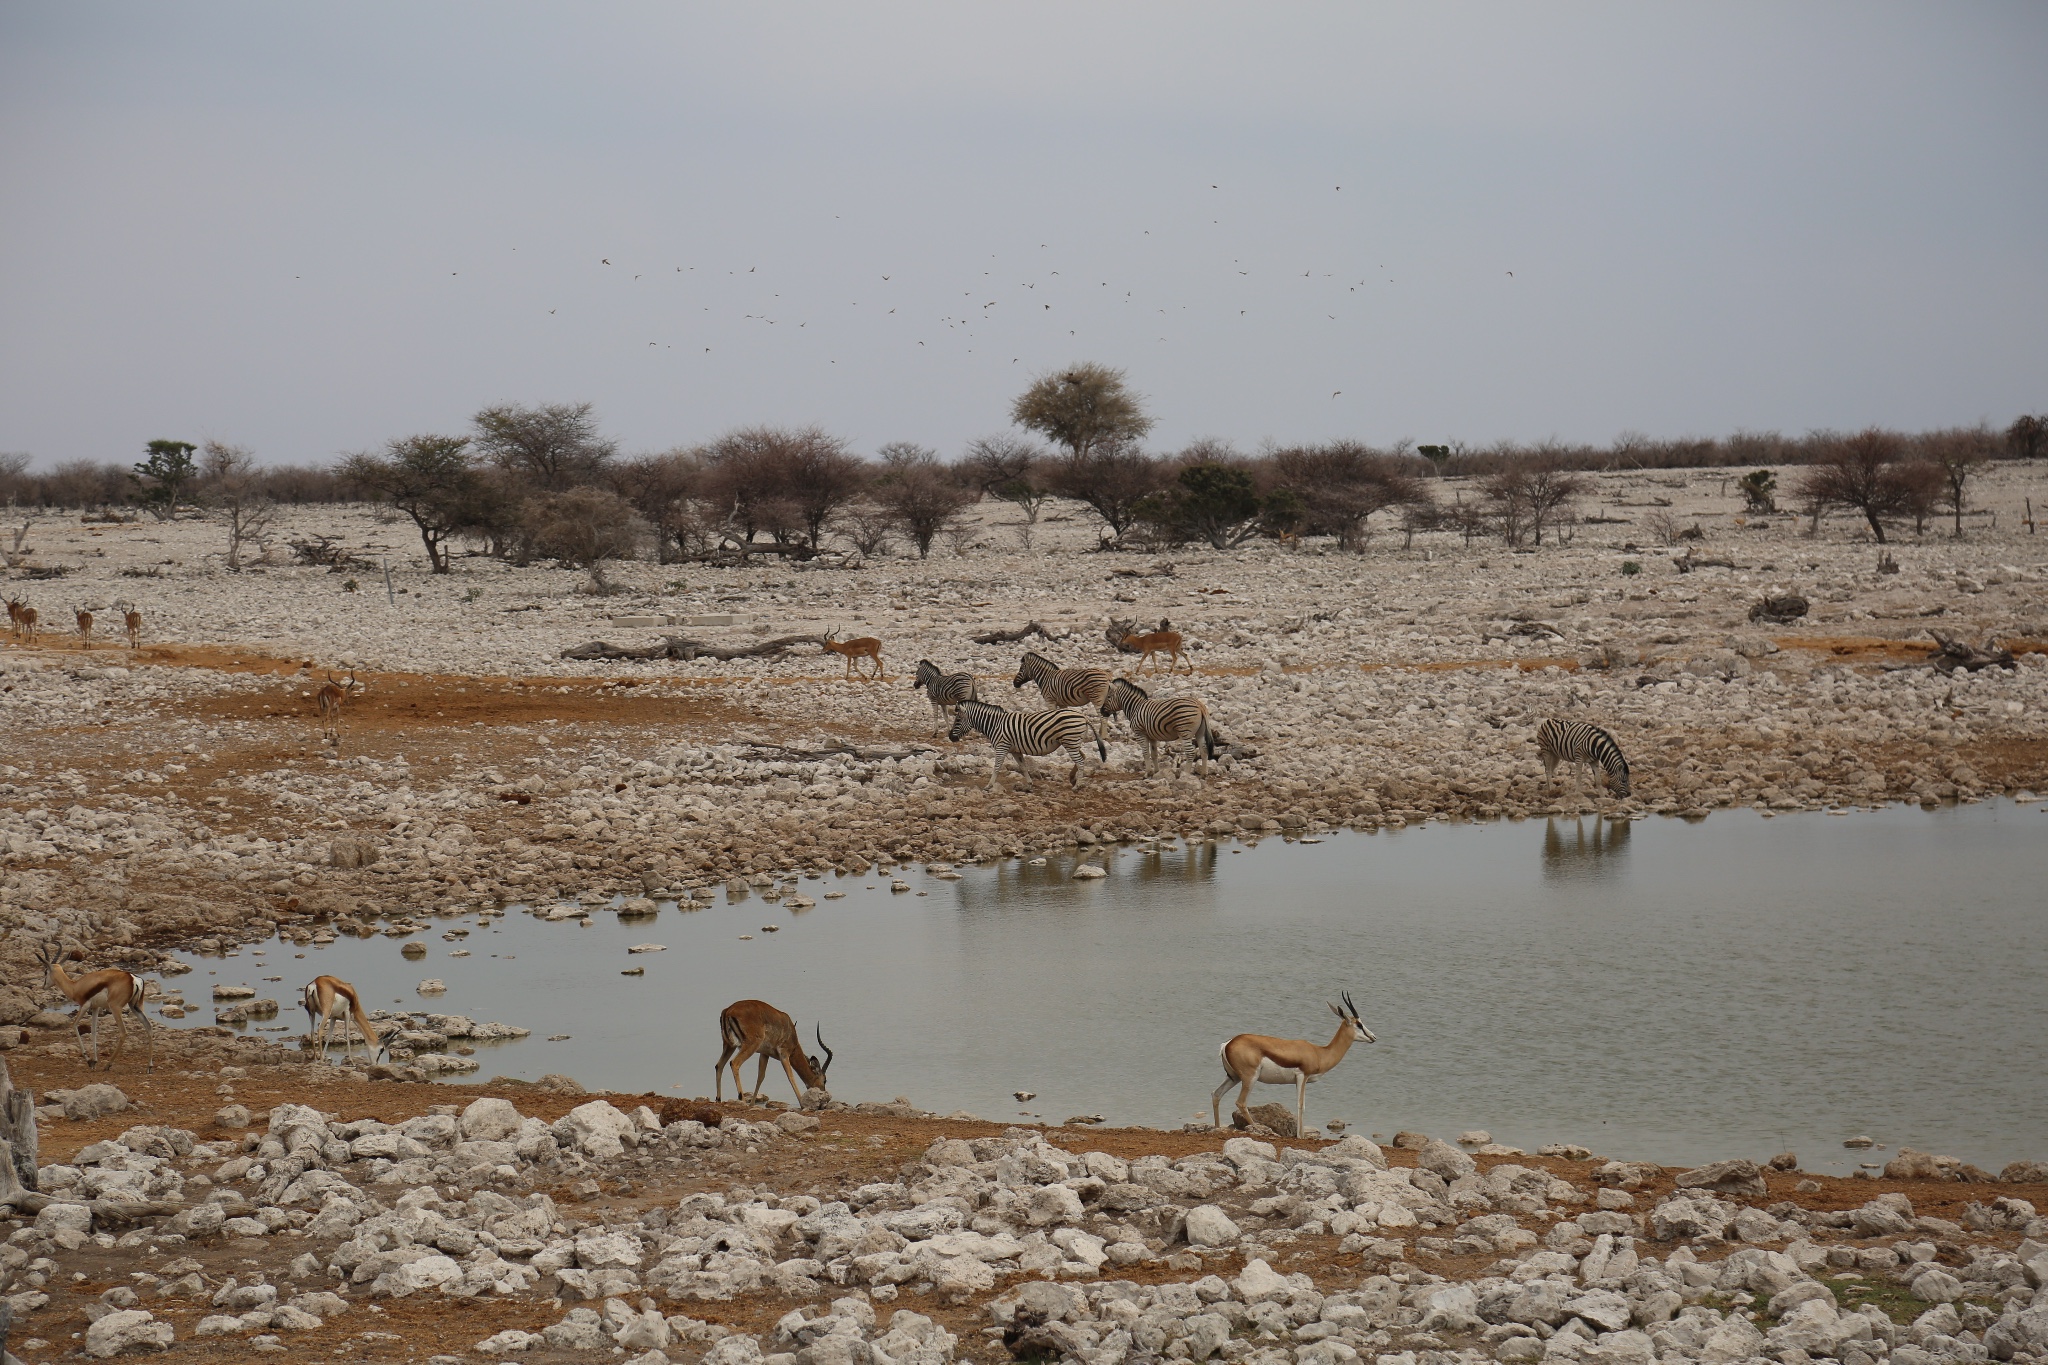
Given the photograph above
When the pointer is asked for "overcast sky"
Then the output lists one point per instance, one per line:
(311, 228)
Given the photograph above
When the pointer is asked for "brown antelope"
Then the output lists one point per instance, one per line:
(1164, 640)
(85, 627)
(24, 618)
(133, 620)
(329, 699)
(755, 1028)
(325, 996)
(110, 988)
(1285, 1061)
(867, 647)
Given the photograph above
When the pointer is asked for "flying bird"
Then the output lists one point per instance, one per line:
(605, 262)
(1335, 394)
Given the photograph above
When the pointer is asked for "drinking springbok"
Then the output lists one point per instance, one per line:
(110, 988)
(323, 997)
(1283, 1061)
(755, 1028)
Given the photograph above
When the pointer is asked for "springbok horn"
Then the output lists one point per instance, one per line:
(828, 1051)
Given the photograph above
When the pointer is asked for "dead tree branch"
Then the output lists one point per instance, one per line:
(1024, 632)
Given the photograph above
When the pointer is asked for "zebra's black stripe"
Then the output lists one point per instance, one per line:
(943, 690)
(1574, 741)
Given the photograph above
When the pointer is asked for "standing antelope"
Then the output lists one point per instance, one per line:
(755, 1028)
(85, 627)
(322, 996)
(133, 620)
(329, 699)
(867, 647)
(1282, 1061)
(1168, 720)
(1576, 742)
(24, 618)
(110, 988)
(1032, 734)
(943, 690)
(1164, 640)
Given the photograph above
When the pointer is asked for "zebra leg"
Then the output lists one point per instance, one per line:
(995, 772)
(1074, 778)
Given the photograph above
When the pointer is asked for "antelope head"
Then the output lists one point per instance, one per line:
(1359, 1032)
(821, 1067)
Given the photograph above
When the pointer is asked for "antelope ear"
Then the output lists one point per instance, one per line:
(1334, 1010)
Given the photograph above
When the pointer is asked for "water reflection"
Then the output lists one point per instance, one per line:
(1572, 850)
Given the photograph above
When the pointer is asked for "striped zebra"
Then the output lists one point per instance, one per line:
(1063, 686)
(943, 690)
(1168, 720)
(1022, 734)
(1574, 741)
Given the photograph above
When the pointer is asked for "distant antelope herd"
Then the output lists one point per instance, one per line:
(26, 623)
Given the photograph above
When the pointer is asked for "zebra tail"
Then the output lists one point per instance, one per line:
(1101, 749)
(1208, 739)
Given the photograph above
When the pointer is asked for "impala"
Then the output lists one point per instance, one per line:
(867, 647)
(325, 996)
(329, 699)
(1285, 1061)
(755, 1028)
(1164, 640)
(110, 988)
(24, 618)
(85, 627)
(133, 620)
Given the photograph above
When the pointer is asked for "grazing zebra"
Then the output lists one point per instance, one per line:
(944, 690)
(1168, 720)
(1018, 734)
(1574, 741)
(1063, 686)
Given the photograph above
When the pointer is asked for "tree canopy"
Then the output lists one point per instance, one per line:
(1081, 407)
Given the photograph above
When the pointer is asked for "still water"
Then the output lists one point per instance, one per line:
(1656, 990)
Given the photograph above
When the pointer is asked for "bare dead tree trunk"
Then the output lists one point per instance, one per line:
(1011, 637)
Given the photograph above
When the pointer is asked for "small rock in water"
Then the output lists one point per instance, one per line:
(1023, 1095)
(1084, 1119)
(433, 985)
(560, 1037)
(1785, 1161)
(648, 948)
(633, 971)
(1474, 1137)
(1088, 872)
(1859, 1142)
(413, 950)
(1413, 1142)
(771, 928)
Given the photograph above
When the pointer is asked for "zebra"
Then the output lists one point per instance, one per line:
(1166, 721)
(943, 690)
(1063, 686)
(1018, 734)
(1574, 741)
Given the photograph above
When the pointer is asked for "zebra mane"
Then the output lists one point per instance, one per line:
(1128, 685)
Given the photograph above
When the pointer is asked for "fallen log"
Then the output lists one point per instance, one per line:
(1955, 654)
(1011, 637)
(685, 649)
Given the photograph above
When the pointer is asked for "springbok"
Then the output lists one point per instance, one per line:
(1283, 1061)
(133, 620)
(328, 700)
(85, 627)
(1164, 640)
(110, 988)
(867, 647)
(755, 1028)
(323, 997)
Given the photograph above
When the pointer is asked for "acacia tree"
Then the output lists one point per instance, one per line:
(1113, 481)
(1863, 472)
(554, 447)
(2028, 436)
(429, 478)
(1530, 492)
(584, 528)
(786, 483)
(1954, 458)
(919, 495)
(664, 489)
(1342, 484)
(1007, 468)
(1082, 407)
(165, 475)
(233, 486)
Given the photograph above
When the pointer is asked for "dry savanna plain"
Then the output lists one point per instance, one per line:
(244, 1200)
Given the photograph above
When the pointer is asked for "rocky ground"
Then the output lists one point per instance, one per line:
(183, 790)
(180, 793)
(285, 1206)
